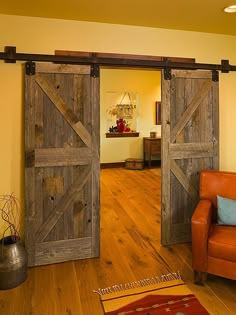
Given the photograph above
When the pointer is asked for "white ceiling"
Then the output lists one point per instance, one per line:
(192, 15)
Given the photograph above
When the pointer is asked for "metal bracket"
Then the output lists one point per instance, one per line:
(30, 68)
(95, 71)
(225, 66)
(10, 52)
(167, 73)
(215, 75)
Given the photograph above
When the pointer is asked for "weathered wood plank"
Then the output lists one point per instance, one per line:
(95, 180)
(179, 102)
(189, 74)
(62, 250)
(190, 110)
(215, 124)
(59, 157)
(45, 67)
(165, 156)
(39, 118)
(67, 113)
(188, 150)
(30, 194)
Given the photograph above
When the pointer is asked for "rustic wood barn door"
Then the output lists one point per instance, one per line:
(190, 143)
(62, 164)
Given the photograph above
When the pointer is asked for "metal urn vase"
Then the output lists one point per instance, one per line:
(13, 262)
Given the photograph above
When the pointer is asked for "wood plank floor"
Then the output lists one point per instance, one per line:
(130, 250)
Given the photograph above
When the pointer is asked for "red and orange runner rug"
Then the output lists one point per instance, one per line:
(154, 296)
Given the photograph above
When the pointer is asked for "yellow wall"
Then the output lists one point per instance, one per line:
(43, 36)
(147, 86)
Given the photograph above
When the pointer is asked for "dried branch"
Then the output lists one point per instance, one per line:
(10, 214)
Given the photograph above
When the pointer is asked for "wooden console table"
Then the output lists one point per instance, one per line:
(151, 146)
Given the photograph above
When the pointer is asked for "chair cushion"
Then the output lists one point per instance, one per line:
(226, 213)
(222, 242)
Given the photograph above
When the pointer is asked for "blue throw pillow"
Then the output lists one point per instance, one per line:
(226, 214)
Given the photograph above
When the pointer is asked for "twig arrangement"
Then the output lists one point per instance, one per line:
(122, 110)
(10, 214)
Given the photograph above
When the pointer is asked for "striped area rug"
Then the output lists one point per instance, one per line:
(167, 294)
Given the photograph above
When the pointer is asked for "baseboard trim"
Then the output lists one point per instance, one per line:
(155, 163)
(112, 165)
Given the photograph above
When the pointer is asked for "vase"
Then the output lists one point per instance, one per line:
(13, 262)
(120, 125)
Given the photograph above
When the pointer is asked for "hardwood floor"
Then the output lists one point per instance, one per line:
(130, 250)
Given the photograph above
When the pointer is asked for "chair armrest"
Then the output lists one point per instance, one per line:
(201, 227)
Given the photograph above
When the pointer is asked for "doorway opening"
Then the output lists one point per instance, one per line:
(130, 197)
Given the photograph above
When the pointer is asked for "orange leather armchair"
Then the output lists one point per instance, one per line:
(213, 246)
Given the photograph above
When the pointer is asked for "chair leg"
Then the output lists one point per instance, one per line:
(199, 277)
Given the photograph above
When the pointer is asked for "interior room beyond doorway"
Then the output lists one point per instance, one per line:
(144, 89)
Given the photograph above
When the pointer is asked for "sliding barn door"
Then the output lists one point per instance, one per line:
(190, 143)
(62, 164)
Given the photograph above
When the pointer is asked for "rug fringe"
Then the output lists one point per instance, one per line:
(139, 283)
